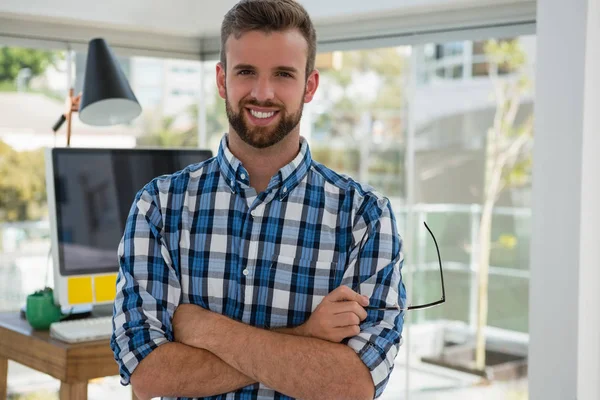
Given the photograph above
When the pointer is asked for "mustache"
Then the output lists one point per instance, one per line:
(265, 104)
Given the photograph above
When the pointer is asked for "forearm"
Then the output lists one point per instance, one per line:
(300, 367)
(177, 370)
(289, 331)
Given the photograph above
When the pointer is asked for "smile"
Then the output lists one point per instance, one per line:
(261, 118)
(262, 115)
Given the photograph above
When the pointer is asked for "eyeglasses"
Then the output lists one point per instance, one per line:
(397, 307)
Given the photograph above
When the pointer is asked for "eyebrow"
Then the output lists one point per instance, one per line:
(284, 68)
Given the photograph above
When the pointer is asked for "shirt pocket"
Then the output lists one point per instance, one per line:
(297, 287)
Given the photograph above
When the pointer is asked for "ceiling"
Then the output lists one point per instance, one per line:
(181, 24)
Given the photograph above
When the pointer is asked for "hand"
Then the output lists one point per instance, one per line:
(187, 323)
(338, 316)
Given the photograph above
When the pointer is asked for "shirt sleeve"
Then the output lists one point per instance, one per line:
(148, 289)
(376, 263)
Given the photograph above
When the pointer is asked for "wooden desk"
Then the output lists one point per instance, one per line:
(72, 364)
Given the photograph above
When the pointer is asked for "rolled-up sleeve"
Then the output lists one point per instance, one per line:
(148, 289)
(377, 265)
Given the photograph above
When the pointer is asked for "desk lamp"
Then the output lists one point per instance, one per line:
(107, 98)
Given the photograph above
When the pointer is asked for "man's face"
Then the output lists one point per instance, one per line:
(265, 87)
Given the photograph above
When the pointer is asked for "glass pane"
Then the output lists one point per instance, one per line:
(508, 303)
(216, 118)
(478, 207)
(33, 87)
(168, 91)
(511, 236)
(458, 286)
(356, 125)
(356, 122)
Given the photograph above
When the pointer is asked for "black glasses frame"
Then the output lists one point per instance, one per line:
(420, 306)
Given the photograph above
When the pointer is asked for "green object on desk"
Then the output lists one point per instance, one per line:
(41, 311)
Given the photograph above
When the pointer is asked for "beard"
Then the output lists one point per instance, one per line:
(261, 137)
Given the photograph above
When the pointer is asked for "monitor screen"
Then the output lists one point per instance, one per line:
(93, 193)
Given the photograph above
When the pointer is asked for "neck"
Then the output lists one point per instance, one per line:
(262, 164)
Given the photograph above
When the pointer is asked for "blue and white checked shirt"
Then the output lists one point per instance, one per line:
(204, 236)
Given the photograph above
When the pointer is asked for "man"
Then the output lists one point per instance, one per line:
(240, 276)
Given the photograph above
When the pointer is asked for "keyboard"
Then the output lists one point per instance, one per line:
(82, 330)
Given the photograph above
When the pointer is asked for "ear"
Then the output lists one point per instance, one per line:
(221, 80)
(312, 83)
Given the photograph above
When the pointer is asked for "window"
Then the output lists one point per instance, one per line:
(358, 117)
(168, 91)
(424, 144)
(454, 136)
(216, 118)
(33, 87)
(361, 123)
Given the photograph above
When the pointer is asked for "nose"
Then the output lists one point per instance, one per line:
(263, 90)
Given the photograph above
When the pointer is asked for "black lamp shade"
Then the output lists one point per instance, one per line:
(107, 98)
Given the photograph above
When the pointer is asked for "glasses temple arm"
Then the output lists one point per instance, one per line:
(439, 260)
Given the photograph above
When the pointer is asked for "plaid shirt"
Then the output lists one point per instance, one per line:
(204, 236)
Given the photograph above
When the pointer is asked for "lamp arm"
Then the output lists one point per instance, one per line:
(59, 123)
(71, 105)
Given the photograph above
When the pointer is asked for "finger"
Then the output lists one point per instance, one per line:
(347, 331)
(345, 319)
(349, 306)
(344, 293)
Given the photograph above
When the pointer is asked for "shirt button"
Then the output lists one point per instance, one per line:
(245, 272)
(284, 189)
(243, 176)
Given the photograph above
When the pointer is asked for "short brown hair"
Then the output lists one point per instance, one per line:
(269, 16)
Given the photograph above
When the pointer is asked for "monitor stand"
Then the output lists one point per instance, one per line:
(88, 311)
(102, 310)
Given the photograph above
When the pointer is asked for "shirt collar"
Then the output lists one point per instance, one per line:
(286, 179)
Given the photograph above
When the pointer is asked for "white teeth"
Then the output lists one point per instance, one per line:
(258, 114)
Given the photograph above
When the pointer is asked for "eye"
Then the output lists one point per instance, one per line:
(245, 72)
(284, 74)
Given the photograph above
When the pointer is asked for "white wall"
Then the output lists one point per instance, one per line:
(588, 361)
(564, 353)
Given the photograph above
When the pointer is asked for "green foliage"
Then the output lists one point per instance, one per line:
(216, 117)
(508, 162)
(342, 160)
(38, 395)
(517, 169)
(22, 174)
(163, 134)
(22, 184)
(13, 59)
(8, 86)
(520, 173)
(386, 63)
(505, 53)
(346, 118)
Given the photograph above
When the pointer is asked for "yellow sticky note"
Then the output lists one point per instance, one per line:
(79, 290)
(105, 287)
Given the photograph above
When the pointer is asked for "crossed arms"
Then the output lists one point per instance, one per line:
(214, 354)
(165, 348)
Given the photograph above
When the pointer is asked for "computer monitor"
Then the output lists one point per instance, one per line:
(90, 193)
